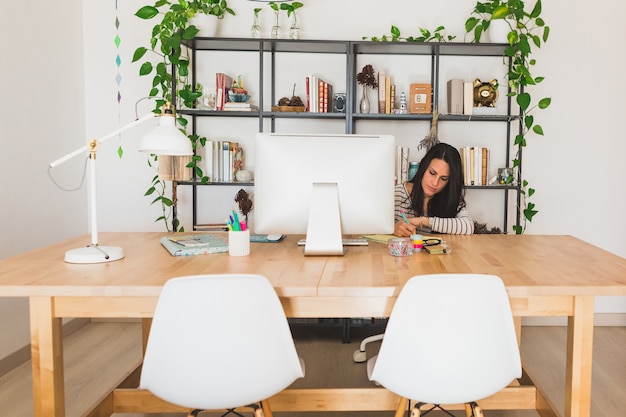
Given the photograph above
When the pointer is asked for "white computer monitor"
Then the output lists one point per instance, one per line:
(325, 186)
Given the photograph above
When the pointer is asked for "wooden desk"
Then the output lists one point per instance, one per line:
(544, 276)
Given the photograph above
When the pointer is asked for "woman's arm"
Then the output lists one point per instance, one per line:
(462, 224)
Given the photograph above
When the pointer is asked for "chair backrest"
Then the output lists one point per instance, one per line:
(450, 339)
(218, 342)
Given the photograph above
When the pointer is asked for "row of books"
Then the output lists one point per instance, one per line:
(419, 97)
(460, 97)
(319, 95)
(223, 160)
(476, 165)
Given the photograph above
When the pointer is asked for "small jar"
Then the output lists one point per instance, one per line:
(413, 167)
(418, 243)
(400, 246)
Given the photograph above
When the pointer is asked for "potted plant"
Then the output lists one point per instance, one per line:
(294, 29)
(170, 82)
(526, 29)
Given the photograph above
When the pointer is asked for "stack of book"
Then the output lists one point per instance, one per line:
(319, 95)
(223, 160)
(476, 165)
(235, 106)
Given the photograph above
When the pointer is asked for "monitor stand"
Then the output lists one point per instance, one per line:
(323, 235)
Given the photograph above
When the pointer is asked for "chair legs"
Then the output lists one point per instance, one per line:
(471, 409)
(261, 409)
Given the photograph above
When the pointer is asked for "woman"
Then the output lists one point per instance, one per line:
(434, 198)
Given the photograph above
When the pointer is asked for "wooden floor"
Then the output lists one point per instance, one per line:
(90, 352)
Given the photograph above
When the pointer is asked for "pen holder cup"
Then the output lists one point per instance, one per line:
(239, 243)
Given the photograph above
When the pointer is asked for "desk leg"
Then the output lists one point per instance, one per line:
(579, 357)
(46, 339)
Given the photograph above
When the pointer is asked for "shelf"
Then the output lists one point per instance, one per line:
(431, 57)
(226, 184)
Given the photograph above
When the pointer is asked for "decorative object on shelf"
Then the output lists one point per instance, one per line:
(528, 29)
(275, 32)
(165, 139)
(485, 93)
(294, 29)
(255, 30)
(432, 138)
(366, 78)
(242, 198)
(413, 167)
(243, 176)
(237, 92)
(293, 104)
(402, 109)
(426, 35)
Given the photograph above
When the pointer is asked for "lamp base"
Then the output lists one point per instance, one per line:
(94, 254)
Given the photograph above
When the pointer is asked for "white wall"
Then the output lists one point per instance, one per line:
(576, 168)
(42, 116)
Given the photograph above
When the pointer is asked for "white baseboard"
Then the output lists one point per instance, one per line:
(600, 319)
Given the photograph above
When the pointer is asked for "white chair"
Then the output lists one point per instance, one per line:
(219, 342)
(450, 339)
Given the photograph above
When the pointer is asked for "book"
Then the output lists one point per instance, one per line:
(239, 105)
(223, 83)
(381, 91)
(388, 94)
(468, 98)
(455, 96)
(199, 244)
(420, 98)
(251, 107)
(440, 249)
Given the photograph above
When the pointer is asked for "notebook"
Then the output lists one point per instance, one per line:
(200, 244)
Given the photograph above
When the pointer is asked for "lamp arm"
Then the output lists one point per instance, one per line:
(102, 139)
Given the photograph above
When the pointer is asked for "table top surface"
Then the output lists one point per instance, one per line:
(529, 265)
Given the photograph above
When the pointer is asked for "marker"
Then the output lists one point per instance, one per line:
(404, 217)
(229, 225)
(236, 224)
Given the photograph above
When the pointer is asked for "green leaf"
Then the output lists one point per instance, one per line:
(150, 191)
(545, 102)
(146, 68)
(518, 229)
(523, 100)
(395, 32)
(120, 152)
(538, 130)
(500, 12)
(139, 53)
(528, 121)
(531, 191)
(190, 32)
(147, 12)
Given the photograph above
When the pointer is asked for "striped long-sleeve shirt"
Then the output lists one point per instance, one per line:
(462, 224)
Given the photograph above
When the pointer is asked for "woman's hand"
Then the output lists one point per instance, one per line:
(404, 229)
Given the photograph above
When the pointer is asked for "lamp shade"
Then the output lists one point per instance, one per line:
(166, 139)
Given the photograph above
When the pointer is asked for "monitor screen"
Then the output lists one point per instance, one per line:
(324, 186)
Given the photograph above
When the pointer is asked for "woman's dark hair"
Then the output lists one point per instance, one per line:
(450, 200)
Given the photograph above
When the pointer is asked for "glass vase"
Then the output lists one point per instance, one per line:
(275, 34)
(364, 105)
(294, 30)
(255, 30)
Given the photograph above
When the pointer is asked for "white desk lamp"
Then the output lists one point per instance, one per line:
(165, 139)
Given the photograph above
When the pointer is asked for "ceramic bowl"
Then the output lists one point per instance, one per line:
(238, 98)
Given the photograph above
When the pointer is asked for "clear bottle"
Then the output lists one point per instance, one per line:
(255, 30)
